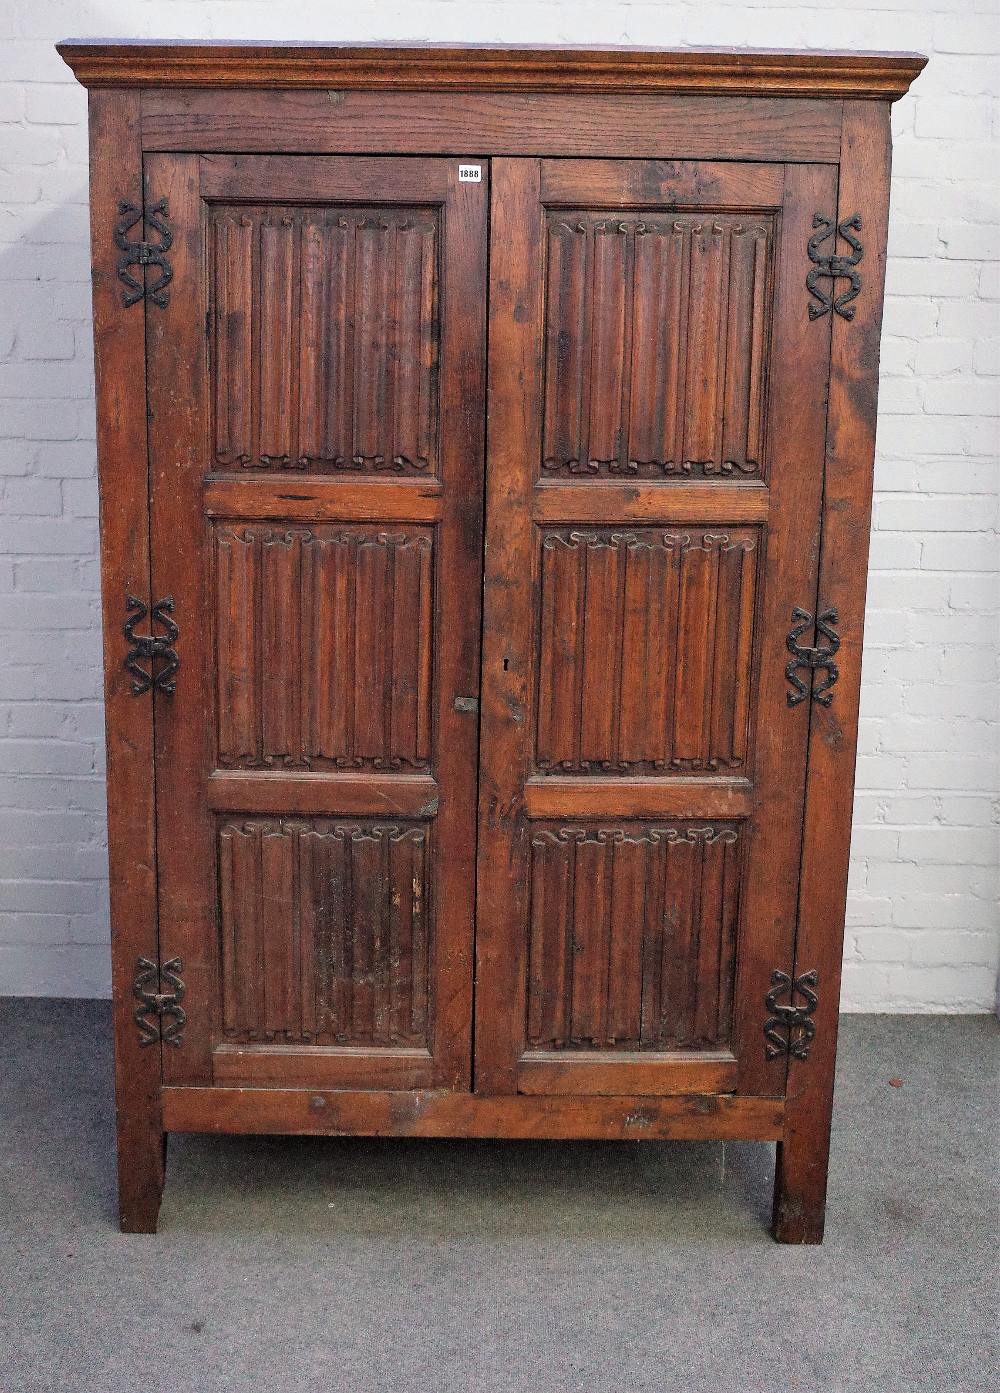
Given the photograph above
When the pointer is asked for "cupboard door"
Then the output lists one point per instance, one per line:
(316, 436)
(657, 399)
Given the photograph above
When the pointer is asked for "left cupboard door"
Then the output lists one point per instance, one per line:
(316, 452)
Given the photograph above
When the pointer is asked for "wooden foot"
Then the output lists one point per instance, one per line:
(142, 1158)
(800, 1173)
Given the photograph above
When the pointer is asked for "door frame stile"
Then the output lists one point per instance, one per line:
(795, 336)
(506, 701)
(801, 1169)
(123, 471)
(176, 357)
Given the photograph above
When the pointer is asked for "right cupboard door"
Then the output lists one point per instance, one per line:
(655, 451)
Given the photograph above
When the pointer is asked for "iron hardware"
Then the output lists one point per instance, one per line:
(150, 647)
(812, 658)
(141, 253)
(834, 267)
(168, 1016)
(788, 1029)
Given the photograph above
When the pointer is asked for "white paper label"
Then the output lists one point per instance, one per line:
(470, 174)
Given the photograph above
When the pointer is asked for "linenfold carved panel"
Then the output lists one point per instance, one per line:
(632, 936)
(645, 651)
(326, 338)
(325, 931)
(323, 636)
(656, 340)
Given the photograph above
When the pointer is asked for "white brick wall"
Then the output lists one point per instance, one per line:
(922, 927)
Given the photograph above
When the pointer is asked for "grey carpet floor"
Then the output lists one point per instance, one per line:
(356, 1266)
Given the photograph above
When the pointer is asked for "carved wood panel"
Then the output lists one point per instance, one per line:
(656, 339)
(646, 640)
(325, 338)
(632, 936)
(323, 646)
(325, 931)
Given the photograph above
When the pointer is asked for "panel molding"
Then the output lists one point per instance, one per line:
(646, 639)
(311, 499)
(323, 1066)
(325, 931)
(656, 342)
(325, 338)
(632, 936)
(551, 795)
(577, 1072)
(625, 502)
(346, 613)
(287, 792)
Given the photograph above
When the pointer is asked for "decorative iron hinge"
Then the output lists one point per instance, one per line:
(834, 267)
(788, 1029)
(149, 647)
(812, 658)
(140, 253)
(168, 1016)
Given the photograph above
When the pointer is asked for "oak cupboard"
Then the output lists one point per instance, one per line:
(485, 447)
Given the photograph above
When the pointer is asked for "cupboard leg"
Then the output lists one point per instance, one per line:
(800, 1175)
(142, 1158)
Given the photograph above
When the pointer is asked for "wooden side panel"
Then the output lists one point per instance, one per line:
(119, 352)
(632, 936)
(325, 931)
(656, 334)
(645, 645)
(803, 1155)
(329, 315)
(324, 646)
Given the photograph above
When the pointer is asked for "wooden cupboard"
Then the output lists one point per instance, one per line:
(485, 448)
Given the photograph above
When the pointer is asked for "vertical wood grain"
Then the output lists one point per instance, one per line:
(514, 405)
(803, 1155)
(323, 932)
(656, 330)
(119, 360)
(178, 394)
(795, 448)
(645, 649)
(278, 332)
(631, 938)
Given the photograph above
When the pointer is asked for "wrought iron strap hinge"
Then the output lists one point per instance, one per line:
(141, 253)
(788, 1029)
(834, 267)
(812, 659)
(150, 647)
(158, 1013)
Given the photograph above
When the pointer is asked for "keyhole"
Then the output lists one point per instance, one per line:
(506, 664)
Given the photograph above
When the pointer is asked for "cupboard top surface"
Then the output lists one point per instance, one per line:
(724, 71)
